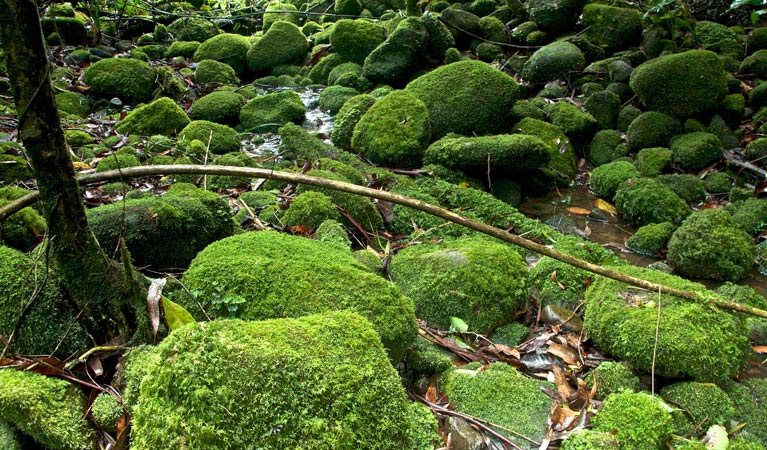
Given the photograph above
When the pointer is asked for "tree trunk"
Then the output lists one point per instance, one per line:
(96, 283)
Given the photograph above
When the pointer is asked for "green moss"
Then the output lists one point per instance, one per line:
(269, 112)
(222, 139)
(361, 209)
(553, 62)
(466, 97)
(106, 411)
(321, 70)
(639, 421)
(694, 151)
(560, 170)
(227, 48)
(427, 359)
(117, 161)
(283, 43)
(456, 279)
(310, 209)
(606, 147)
(653, 161)
(192, 29)
(225, 391)
(162, 116)
(554, 16)
(688, 187)
(611, 377)
(558, 283)
(23, 230)
(279, 11)
(611, 27)
(333, 98)
(46, 408)
(298, 143)
(348, 117)
(651, 129)
(756, 149)
(681, 84)
(355, 39)
(500, 153)
(651, 239)
(604, 107)
(14, 168)
(501, 395)
(332, 232)
(185, 49)
(718, 38)
(210, 71)
(77, 138)
(709, 244)
(219, 106)
(701, 406)
(73, 103)
(748, 399)
(343, 70)
(627, 115)
(756, 64)
(8, 438)
(717, 183)
(643, 200)
(571, 119)
(694, 340)
(749, 214)
(400, 55)
(586, 439)
(129, 79)
(607, 178)
(394, 131)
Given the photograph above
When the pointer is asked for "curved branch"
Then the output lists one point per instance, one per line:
(141, 171)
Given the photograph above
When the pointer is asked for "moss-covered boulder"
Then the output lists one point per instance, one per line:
(651, 129)
(554, 16)
(355, 39)
(556, 283)
(399, 56)
(653, 161)
(466, 97)
(309, 210)
(290, 276)
(279, 11)
(749, 214)
(129, 79)
(639, 420)
(73, 103)
(681, 84)
(162, 116)
(184, 49)
(270, 111)
(209, 71)
(701, 406)
(215, 385)
(23, 230)
(709, 244)
(560, 170)
(606, 146)
(282, 44)
(610, 377)
(334, 97)
(117, 161)
(484, 283)
(227, 48)
(587, 439)
(611, 27)
(607, 178)
(604, 106)
(719, 39)
(576, 123)
(643, 201)
(694, 341)
(219, 106)
(192, 29)
(748, 398)
(348, 117)
(459, 19)
(359, 208)
(555, 61)
(687, 186)
(222, 138)
(694, 151)
(47, 409)
(651, 239)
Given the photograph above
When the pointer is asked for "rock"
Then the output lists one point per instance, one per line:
(227, 48)
(604, 106)
(73, 103)
(219, 106)
(459, 22)
(694, 151)
(606, 146)
(653, 161)
(575, 123)
(309, 210)
(24, 229)
(554, 15)
(747, 398)
(555, 61)
(704, 405)
(607, 178)
(639, 420)
(334, 97)
(347, 118)
(651, 239)
(355, 39)
(557, 283)
(276, 11)
(220, 138)
(611, 377)
(687, 186)
(129, 79)
(184, 49)
(270, 111)
(282, 44)
(560, 170)
(399, 56)
(611, 27)
(210, 71)
(192, 29)
(567, 319)
(642, 201)
(718, 38)
(162, 116)
(69, 30)
(651, 129)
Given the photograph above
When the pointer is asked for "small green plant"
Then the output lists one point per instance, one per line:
(755, 15)
(225, 303)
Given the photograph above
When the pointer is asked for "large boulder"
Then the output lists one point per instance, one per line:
(348, 117)
(192, 29)
(162, 116)
(502, 154)
(269, 112)
(466, 97)
(642, 201)
(554, 15)
(227, 48)
(282, 44)
(218, 138)
(355, 39)
(130, 80)
(219, 106)
(211, 71)
(400, 55)
(553, 62)
(694, 151)
(614, 28)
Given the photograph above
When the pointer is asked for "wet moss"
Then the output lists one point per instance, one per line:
(227, 48)
(701, 406)
(355, 39)
(651, 239)
(129, 79)
(219, 106)
(607, 178)
(640, 421)
(611, 377)
(220, 138)
(643, 201)
(162, 116)
(560, 170)
(333, 98)
(210, 71)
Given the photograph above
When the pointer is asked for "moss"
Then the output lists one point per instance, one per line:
(611, 27)
(117, 161)
(653, 161)
(651, 129)
(427, 359)
(606, 147)
(554, 16)
(585, 439)
(651, 239)
(557, 283)
(638, 420)
(500, 395)
(455, 279)
(210, 71)
(106, 411)
(8, 438)
(681, 84)
(332, 232)
(709, 244)
(440, 38)
(748, 399)
(77, 138)
(756, 149)
(457, 18)
(73, 103)
(355, 39)
(279, 11)
(756, 64)
(298, 143)
(343, 70)
(321, 70)
(701, 406)
(23, 230)
(162, 116)
(750, 214)
(268, 112)
(717, 183)
(348, 117)
(400, 55)
(576, 123)
(192, 29)
(310, 209)
(230, 49)
(46, 408)
(283, 43)
(560, 170)
(688, 187)
(607, 178)
(220, 107)
(290, 276)
(226, 391)
(222, 139)
(361, 209)
(643, 200)
(333, 98)
(612, 377)
(627, 115)
(555, 61)
(184, 49)
(129, 79)
(694, 341)
(14, 168)
(466, 97)
(742, 444)
(604, 107)
(694, 151)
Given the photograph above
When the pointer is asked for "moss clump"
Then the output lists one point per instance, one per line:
(606, 146)
(192, 29)
(466, 97)
(748, 399)
(23, 230)
(718, 183)
(501, 395)
(576, 123)
(427, 359)
(45, 408)
(560, 170)
(643, 201)
(455, 279)
(289, 276)
(558, 283)
(230, 49)
(749, 214)
(129, 79)
(220, 107)
(361, 209)
(184, 49)
(8, 439)
(355, 39)
(702, 405)
(73, 103)
(694, 151)
(653, 161)
(604, 106)
(222, 139)
(279, 11)
(14, 168)
(400, 55)
(215, 385)
(627, 115)
(269, 112)
(681, 84)
(310, 209)
(553, 62)
(651, 239)
(348, 117)
(611, 27)
(333, 98)
(586, 439)
(756, 149)
(162, 116)
(332, 232)
(117, 161)
(283, 43)
(554, 16)
(394, 131)
(694, 341)
(321, 70)
(298, 143)
(638, 420)
(77, 138)
(210, 71)
(106, 411)
(611, 377)
(607, 178)
(651, 129)
(709, 244)
(688, 187)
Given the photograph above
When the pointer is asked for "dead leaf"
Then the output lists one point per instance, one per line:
(605, 206)
(95, 366)
(561, 417)
(560, 379)
(760, 348)
(554, 279)
(587, 231)
(579, 210)
(153, 295)
(567, 354)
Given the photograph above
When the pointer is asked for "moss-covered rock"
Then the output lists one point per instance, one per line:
(440, 38)
(459, 19)
(14, 168)
(651, 239)
(717, 183)
(219, 106)
(333, 232)
(289, 276)
(653, 161)
(606, 146)
(643, 201)
(355, 39)
(604, 106)
(694, 340)
(162, 116)
(117, 161)
(556, 283)
(501, 154)
(333, 98)
(348, 117)
(222, 139)
(210, 71)
(310, 209)
(576, 123)
(687, 186)
(749, 214)
(756, 64)
(106, 411)
(394, 131)
(270, 111)
(279, 11)
(586, 439)
(611, 377)
(192, 29)
(639, 421)
(560, 171)
(554, 16)
(681, 84)
(129, 79)
(400, 55)
(321, 70)
(73, 103)
(466, 97)
(553, 62)
(484, 283)
(701, 406)
(184, 49)
(283, 43)
(607, 178)
(756, 149)
(221, 387)
(718, 38)
(651, 129)
(48, 409)
(748, 398)
(627, 115)
(614, 28)
(694, 151)
(23, 230)
(227, 48)
(709, 244)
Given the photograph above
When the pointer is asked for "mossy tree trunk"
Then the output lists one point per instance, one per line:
(96, 283)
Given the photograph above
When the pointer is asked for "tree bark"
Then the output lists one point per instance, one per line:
(95, 282)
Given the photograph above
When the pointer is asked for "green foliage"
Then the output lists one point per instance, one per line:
(701, 406)
(642, 201)
(611, 27)
(129, 79)
(219, 106)
(651, 129)
(227, 48)
(500, 153)
(694, 151)
(283, 43)
(310, 209)
(607, 178)
(348, 117)
(555, 61)
(611, 377)
(162, 116)
(210, 71)
(220, 138)
(355, 39)
(651, 239)
(640, 422)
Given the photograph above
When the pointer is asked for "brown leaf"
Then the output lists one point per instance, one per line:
(579, 210)
(153, 295)
(94, 364)
(760, 348)
(554, 279)
(560, 379)
(562, 417)
(587, 231)
(605, 206)
(567, 354)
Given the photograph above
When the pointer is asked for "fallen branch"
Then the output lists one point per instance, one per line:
(143, 171)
